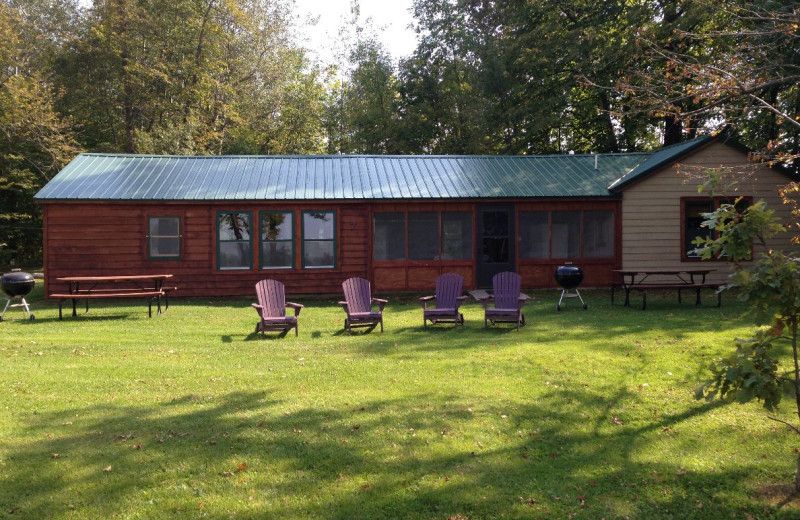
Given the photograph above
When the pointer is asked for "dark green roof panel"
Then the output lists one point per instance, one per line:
(659, 159)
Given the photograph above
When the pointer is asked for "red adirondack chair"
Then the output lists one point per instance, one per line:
(271, 307)
(357, 305)
(448, 299)
(507, 300)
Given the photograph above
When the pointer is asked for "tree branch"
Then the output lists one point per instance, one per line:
(791, 426)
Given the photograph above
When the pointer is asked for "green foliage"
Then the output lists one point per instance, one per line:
(213, 77)
(751, 372)
(768, 281)
(35, 142)
(737, 230)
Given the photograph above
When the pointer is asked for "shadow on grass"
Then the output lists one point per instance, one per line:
(242, 455)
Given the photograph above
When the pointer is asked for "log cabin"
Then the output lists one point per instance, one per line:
(220, 224)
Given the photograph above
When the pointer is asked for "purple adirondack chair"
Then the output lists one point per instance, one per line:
(507, 300)
(448, 299)
(271, 307)
(357, 305)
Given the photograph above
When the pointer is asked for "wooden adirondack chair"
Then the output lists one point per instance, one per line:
(357, 305)
(448, 299)
(507, 300)
(271, 307)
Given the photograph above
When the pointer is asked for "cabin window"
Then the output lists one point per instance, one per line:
(319, 239)
(456, 235)
(566, 234)
(234, 240)
(277, 239)
(534, 234)
(693, 213)
(164, 238)
(389, 236)
(598, 234)
(566, 239)
(422, 235)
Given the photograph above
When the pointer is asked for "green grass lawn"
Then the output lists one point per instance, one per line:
(582, 414)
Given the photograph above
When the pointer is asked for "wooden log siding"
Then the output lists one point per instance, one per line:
(651, 209)
(419, 275)
(100, 238)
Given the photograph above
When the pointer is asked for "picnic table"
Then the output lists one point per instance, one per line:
(643, 280)
(148, 286)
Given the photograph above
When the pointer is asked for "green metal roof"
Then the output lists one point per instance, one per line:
(659, 159)
(120, 177)
(335, 177)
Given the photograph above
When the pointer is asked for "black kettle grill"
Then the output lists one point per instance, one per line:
(569, 277)
(17, 284)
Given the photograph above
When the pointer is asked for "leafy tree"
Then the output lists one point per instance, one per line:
(768, 280)
(189, 76)
(740, 71)
(444, 108)
(535, 76)
(362, 111)
(367, 101)
(35, 143)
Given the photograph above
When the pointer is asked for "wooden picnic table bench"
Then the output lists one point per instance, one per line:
(151, 287)
(642, 280)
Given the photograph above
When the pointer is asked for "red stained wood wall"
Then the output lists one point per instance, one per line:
(108, 238)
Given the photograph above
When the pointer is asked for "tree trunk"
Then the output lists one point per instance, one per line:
(673, 130)
(797, 477)
(793, 323)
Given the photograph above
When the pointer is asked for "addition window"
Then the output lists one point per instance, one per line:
(234, 240)
(277, 239)
(693, 218)
(694, 211)
(164, 238)
(319, 239)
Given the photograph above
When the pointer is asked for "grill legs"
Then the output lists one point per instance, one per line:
(565, 293)
(23, 304)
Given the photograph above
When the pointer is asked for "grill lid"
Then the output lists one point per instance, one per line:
(569, 276)
(17, 283)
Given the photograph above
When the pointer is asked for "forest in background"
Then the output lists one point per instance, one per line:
(487, 77)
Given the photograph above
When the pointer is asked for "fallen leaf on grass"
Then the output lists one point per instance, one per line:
(241, 467)
(616, 420)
